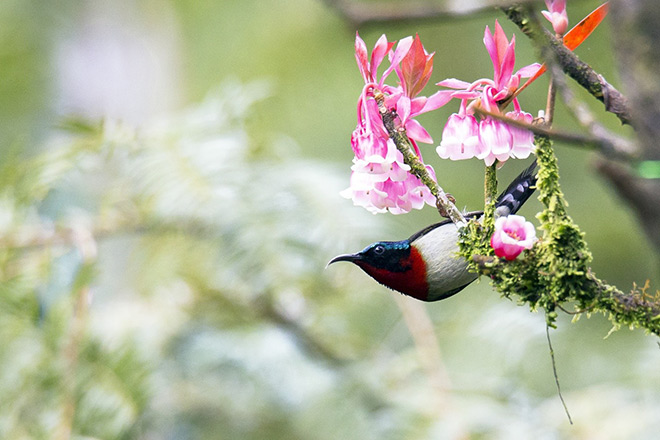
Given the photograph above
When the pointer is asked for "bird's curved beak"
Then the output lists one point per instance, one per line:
(352, 258)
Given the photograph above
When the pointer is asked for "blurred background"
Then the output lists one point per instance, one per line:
(169, 199)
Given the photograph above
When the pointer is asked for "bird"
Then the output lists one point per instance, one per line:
(426, 265)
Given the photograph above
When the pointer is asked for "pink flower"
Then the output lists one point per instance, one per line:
(557, 15)
(503, 55)
(496, 140)
(512, 235)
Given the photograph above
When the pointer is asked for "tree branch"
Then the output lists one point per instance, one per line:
(553, 49)
(361, 13)
(636, 308)
(609, 144)
(602, 140)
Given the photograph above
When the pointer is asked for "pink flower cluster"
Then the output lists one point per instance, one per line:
(380, 180)
(512, 235)
(487, 138)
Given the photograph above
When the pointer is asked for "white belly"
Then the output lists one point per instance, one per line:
(445, 270)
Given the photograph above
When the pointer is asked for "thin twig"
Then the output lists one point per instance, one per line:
(490, 195)
(609, 144)
(575, 312)
(550, 102)
(554, 372)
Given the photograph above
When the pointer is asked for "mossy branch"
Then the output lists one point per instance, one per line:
(490, 196)
(556, 270)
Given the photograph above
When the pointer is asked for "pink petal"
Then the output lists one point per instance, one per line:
(488, 101)
(530, 235)
(437, 100)
(502, 94)
(491, 47)
(403, 107)
(495, 134)
(547, 14)
(528, 71)
(402, 49)
(459, 138)
(415, 149)
(361, 57)
(395, 58)
(557, 15)
(465, 95)
(556, 5)
(497, 45)
(501, 41)
(522, 139)
(416, 105)
(489, 159)
(508, 61)
(453, 83)
(381, 49)
(398, 172)
(415, 131)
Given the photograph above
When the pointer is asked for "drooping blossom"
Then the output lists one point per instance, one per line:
(496, 140)
(556, 15)
(394, 196)
(460, 137)
(380, 180)
(521, 138)
(512, 235)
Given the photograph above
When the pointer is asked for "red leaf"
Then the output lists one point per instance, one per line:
(416, 68)
(575, 36)
(584, 28)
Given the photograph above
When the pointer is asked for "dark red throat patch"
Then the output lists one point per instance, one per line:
(411, 281)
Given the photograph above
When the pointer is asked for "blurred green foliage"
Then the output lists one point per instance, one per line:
(162, 269)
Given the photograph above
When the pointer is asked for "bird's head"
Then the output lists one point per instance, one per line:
(395, 264)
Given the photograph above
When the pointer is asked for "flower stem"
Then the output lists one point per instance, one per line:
(417, 168)
(550, 103)
(490, 196)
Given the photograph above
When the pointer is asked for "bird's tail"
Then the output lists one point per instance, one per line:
(517, 193)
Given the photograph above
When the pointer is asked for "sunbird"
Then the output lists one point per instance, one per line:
(426, 265)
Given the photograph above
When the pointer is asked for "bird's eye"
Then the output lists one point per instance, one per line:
(379, 250)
